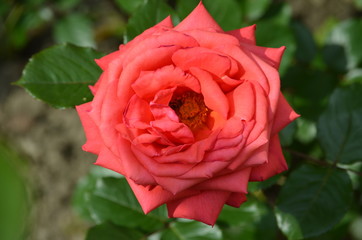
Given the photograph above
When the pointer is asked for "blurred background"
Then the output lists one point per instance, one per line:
(41, 159)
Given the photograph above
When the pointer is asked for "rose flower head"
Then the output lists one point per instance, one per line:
(189, 114)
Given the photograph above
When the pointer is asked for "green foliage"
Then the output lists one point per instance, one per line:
(109, 231)
(75, 29)
(312, 201)
(146, 16)
(60, 75)
(14, 200)
(191, 230)
(340, 126)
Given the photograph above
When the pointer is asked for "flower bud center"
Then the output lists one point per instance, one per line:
(190, 108)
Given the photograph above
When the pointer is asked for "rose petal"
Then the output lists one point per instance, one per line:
(246, 34)
(94, 141)
(275, 164)
(272, 56)
(131, 165)
(149, 60)
(234, 182)
(202, 58)
(109, 160)
(204, 207)
(214, 98)
(104, 61)
(212, 39)
(283, 116)
(242, 102)
(236, 199)
(199, 18)
(147, 85)
(150, 198)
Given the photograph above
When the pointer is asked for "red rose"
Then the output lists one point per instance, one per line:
(189, 115)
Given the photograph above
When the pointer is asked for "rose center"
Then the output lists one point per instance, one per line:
(190, 108)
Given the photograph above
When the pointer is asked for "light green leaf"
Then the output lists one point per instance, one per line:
(109, 231)
(340, 126)
(191, 230)
(76, 29)
(312, 201)
(60, 75)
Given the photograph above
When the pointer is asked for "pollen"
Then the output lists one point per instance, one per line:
(190, 108)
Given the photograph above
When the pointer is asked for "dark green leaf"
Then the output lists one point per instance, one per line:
(245, 222)
(146, 16)
(343, 47)
(340, 126)
(129, 6)
(309, 89)
(14, 200)
(227, 13)
(105, 198)
(76, 29)
(272, 33)
(109, 231)
(191, 230)
(306, 48)
(312, 201)
(60, 75)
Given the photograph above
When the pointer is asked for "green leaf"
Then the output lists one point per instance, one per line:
(109, 231)
(306, 47)
(76, 29)
(245, 222)
(103, 198)
(254, 9)
(191, 230)
(146, 16)
(227, 13)
(310, 90)
(14, 204)
(312, 201)
(60, 75)
(343, 49)
(129, 6)
(272, 33)
(340, 126)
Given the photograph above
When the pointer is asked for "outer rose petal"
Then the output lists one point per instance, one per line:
(283, 115)
(94, 142)
(104, 61)
(275, 164)
(204, 207)
(246, 34)
(236, 199)
(199, 18)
